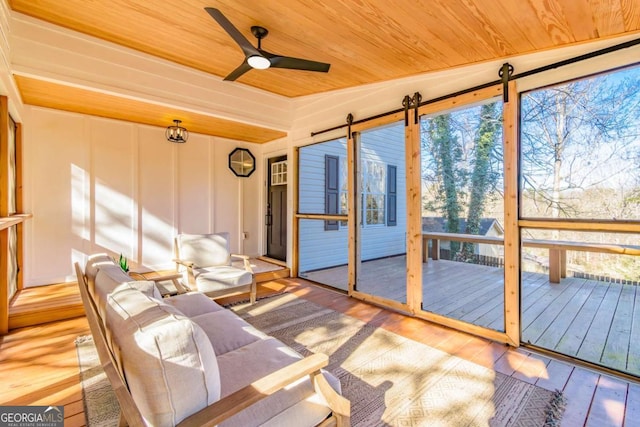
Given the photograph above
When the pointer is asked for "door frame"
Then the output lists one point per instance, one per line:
(266, 184)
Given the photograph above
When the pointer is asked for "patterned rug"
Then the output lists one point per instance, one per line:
(101, 407)
(390, 380)
(395, 381)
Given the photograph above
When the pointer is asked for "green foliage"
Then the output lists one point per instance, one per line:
(447, 154)
(124, 264)
(461, 166)
(486, 138)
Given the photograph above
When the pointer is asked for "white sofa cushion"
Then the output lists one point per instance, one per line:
(227, 331)
(193, 304)
(147, 287)
(169, 363)
(110, 277)
(94, 262)
(295, 405)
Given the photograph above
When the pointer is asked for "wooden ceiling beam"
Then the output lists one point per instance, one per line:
(69, 98)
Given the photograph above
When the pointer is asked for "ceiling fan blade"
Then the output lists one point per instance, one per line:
(236, 35)
(243, 68)
(278, 61)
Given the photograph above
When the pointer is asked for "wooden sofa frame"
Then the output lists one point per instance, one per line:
(226, 407)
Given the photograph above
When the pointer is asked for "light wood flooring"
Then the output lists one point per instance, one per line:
(595, 321)
(41, 304)
(38, 365)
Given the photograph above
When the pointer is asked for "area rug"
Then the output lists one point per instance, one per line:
(392, 380)
(100, 404)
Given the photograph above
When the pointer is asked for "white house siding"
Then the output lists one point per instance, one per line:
(322, 249)
(311, 180)
(496, 251)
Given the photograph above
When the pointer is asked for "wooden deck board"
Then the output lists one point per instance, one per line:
(494, 318)
(608, 404)
(574, 336)
(539, 301)
(577, 317)
(548, 318)
(632, 409)
(580, 388)
(616, 347)
(456, 305)
(551, 337)
(633, 361)
(592, 347)
(532, 369)
(556, 376)
(491, 305)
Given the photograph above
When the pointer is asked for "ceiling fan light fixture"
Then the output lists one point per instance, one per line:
(255, 57)
(258, 62)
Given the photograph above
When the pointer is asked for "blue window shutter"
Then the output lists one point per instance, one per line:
(331, 189)
(392, 196)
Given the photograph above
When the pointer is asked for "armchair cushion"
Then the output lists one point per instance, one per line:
(205, 260)
(204, 250)
(215, 279)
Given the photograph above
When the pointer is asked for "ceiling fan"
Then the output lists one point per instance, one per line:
(257, 58)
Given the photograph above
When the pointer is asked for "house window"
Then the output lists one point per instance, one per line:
(331, 189)
(378, 191)
(374, 190)
(344, 207)
(279, 173)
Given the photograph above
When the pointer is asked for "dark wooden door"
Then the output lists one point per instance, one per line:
(276, 220)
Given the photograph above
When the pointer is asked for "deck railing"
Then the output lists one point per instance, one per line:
(557, 249)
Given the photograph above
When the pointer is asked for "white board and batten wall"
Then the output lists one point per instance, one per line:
(320, 248)
(103, 185)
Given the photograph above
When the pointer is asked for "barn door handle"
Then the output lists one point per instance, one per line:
(267, 219)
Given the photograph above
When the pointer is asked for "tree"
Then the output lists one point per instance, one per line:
(446, 153)
(481, 177)
(580, 145)
(461, 163)
(569, 132)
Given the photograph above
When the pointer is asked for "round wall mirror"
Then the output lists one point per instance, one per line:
(241, 162)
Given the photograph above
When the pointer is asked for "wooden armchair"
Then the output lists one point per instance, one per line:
(206, 262)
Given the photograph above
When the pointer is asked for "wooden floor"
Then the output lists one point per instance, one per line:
(595, 321)
(32, 306)
(38, 365)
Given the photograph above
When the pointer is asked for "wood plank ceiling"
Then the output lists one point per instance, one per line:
(365, 41)
(68, 98)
